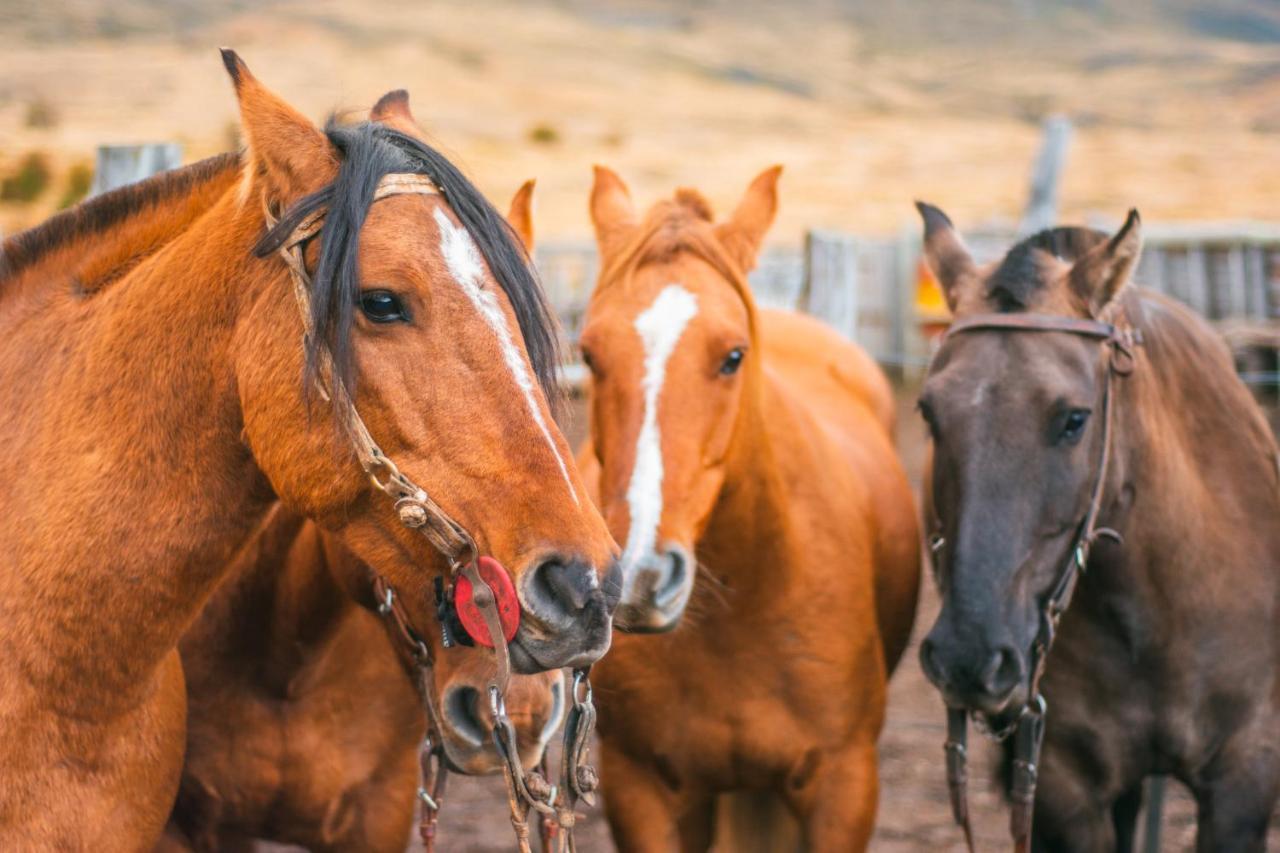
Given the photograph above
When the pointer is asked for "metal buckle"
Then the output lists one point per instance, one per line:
(427, 799)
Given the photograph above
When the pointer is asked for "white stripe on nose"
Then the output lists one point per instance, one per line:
(463, 259)
(660, 327)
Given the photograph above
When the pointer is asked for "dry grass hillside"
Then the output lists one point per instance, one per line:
(869, 105)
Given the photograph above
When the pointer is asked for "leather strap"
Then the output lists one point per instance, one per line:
(416, 510)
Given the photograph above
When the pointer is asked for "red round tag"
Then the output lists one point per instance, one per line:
(504, 592)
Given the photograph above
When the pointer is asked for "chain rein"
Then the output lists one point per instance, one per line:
(1028, 725)
(417, 510)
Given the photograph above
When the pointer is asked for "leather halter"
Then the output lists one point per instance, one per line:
(417, 510)
(1119, 339)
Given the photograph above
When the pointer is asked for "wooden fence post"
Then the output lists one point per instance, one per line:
(830, 289)
(118, 165)
(1042, 203)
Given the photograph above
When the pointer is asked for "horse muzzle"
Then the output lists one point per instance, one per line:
(657, 591)
(977, 676)
(567, 620)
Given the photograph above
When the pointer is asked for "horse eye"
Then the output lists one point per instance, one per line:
(382, 306)
(732, 362)
(1073, 426)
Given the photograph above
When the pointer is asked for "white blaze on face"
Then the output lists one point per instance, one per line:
(464, 262)
(660, 327)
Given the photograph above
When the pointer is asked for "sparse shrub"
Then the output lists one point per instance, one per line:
(79, 179)
(41, 114)
(544, 134)
(29, 180)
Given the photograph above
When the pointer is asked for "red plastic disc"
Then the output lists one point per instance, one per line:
(492, 573)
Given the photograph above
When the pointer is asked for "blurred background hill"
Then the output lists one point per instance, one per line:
(868, 104)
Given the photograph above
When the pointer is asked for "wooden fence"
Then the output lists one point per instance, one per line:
(865, 286)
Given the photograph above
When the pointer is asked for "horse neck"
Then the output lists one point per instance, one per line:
(141, 377)
(282, 602)
(134, 237)
(750, 514)
(1185, 428)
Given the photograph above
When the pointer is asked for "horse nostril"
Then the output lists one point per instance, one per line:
(560, 589)
(673, 584)
(929, 661)
(462, 711)
(1001, 673)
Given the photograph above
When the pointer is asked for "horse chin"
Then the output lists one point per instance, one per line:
(996, 710)
(469, 760)
(531, 655)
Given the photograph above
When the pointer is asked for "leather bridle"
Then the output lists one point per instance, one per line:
(1119, 340)
(417, 510)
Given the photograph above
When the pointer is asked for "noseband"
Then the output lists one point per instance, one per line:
(417, 510)
(1118, 340)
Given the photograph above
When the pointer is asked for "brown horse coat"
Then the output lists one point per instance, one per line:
(302, 726)
(153, 411)
(805, 536)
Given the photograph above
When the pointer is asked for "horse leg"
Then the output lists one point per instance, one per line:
(1124, 816)
(1069, 817)
(1235, 798)
(642, 808)
(834, 796)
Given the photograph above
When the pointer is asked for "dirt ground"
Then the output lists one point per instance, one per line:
(914, 812)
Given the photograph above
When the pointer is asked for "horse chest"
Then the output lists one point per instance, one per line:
(726, 721)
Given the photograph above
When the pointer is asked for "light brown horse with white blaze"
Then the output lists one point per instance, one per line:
(154, 409)
(744, 458)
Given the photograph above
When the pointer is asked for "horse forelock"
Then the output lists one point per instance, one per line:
(369, 152)
(1020, 277)
(670, 229)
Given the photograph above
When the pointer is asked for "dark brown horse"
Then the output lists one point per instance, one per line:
(1074, 413)
(157, 402)
(302, 726)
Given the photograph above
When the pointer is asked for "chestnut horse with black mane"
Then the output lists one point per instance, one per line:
(301, 726)
(1091, 433)
(745, 459)
(159, 403)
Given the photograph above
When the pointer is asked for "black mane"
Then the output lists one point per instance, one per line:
(1018, 278)
(102, 212)
(369, 152)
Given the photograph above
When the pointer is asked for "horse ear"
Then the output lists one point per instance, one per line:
(521, 216)
(393, 105)
(612, 212)
(1102, 273)
(946, 253)
(744, 231)
(285, 147)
